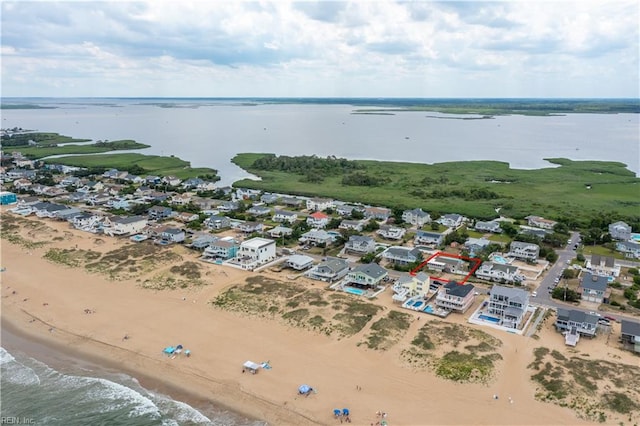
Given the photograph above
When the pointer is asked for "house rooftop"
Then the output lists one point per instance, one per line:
(258, 242)
(631, 327)
(594, 282)
(455, 289)
(371, 269)
(577, 316)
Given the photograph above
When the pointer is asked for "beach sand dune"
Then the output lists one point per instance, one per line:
(90, 315)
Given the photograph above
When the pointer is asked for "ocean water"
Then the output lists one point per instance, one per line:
(210, 132)
(34, 393)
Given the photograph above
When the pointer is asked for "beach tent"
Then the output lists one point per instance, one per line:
(304, 389)
(251, 366)
(169, 350)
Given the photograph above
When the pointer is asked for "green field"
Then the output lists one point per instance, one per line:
(152, 164)
(576, 189)
(37, 152)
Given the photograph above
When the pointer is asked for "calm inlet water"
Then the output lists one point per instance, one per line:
(208, 133)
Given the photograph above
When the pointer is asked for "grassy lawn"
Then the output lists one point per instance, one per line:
(576, 189)
(603, 251)
(153, 164)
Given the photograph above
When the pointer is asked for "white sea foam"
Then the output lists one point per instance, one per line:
(5, 356)
(16, 372)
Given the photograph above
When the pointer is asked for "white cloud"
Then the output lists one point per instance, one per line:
(328, 48)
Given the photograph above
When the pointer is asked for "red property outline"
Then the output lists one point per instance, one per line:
(476, 264)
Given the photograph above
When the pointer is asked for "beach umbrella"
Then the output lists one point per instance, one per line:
(345, 411)
(304, 388)
(337, 412)
(179, 347)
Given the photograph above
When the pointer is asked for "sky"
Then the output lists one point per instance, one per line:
(363, 48)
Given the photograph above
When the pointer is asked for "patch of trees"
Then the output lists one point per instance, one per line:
(306, 163)
(566, 294)
(22, 139)
(363, 179)
(471, 194)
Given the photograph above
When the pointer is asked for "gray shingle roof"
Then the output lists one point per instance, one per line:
(630, 327)
(594, 282)
(371, 269)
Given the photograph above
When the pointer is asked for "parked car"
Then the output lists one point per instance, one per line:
(595, 313)
(610, 318)
(534, 294)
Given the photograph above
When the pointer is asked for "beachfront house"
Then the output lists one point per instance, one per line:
(416, 217)
(631, 249)
(366, 276)
(217, 222)
(329, 270)
(360, 244)
(124, 225)
(284, 216)
(452, 220)
(390, 232)
(86, 221)
(201, 241)
(603, 265)
(399, 255)
(492, 226)
(540, 222)
(7, 198)
(299, 262)
(498, 272)
(524, 251)
(620, 231)
(222, 249)
(594, 288)
(508, 305)
(427, 238)
(317, 236)
(630, 335)
(455, 297)
(408, 285)
(255, 252)
(574, 322)
(319, 204)
(171, 236)
(317, 220)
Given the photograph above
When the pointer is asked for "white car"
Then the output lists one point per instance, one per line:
(534, 294)
(594, 313)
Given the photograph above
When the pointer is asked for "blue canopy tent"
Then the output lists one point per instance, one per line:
(304, 389)
(169, 350)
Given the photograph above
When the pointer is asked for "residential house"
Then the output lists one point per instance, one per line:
(7, 198)
(360, 245)
(206, 186)
(171, 236)
(285, 216)
(540, 222)
(119, 203)
(292, 202)
(573, 322)
(594, 288)
(455, 297)
(70, 181)
(448, 264)
(229, 206)
(603, 265)
(348, 209)
(247, 194)
(159, 212)
(299, 262)
(355, 225)
(250, 227)
(204, 204)
(222, 249)
(269, 198)
(92, 186)
(171, 180)
(491, 226)
(498, 272)
(67, 214)
(27, 201)
(86, 221)
(427, 238)
(535, 232)
(476, 245)
(329, 270)
(259, 210)
(256, 252)
(114, 174)
(508, 304)
(187, 217)
(217, 222)
(366, 276)
(124, 225)
(630, 249)
(48, 210)
(153, 180)
(630, 335)
(280, 231)
(317, 236)
(135, 179)
(318, 220)
(407, 285)
(180, 199)
(620, 231)
(401, 255)
(319, 204)
(391, 232)
(451, 220)
(416, 217)
(377, 213)
(22, 184)
(21, 174)
(192, 183)
(524, 251)
(201, 241)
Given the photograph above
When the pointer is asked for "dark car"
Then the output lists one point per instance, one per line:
(608, 318)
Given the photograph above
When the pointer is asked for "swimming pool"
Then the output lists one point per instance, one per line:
(500, 259)
(635, 237)
(354, 291)
(488, 318)
(428, 309)
(417, 303)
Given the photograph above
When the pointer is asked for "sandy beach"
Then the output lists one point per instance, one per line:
(89, 315)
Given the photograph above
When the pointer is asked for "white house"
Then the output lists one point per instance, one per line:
(399, 255)
(329, 270)
(255, 252)
(319, 204)
(428, 238)
(498, 272)
(124, 225)
(455, 297)
(491, 226)
(524, 251)
(318, 220)
(540, 222)
(369, 275)
(620, 231)
(416, 217)
(360, 244)
(603, 265)
(390, 232)
(285, 216)
(317, 236)
(508, 304)
(299, 262)
(452, 220)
